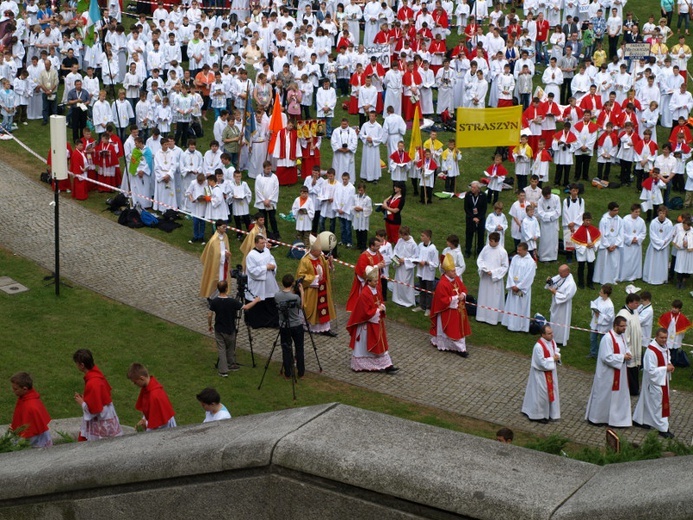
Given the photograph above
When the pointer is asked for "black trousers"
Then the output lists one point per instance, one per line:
(562, 175)
(425, 296)
(287, 335)
(626, 167)
(603, 170)
(581, 273)
(582, 167)
(521, 181)
(450, 184)
(270, 219)
(471, 230)
(316, 223)
(244, 219)
(426, 196)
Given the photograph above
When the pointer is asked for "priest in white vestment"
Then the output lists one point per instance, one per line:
(371, 135)
(542, 401)
(521, 274)
(606, 265)
(493, 265)
(394, 129)
(657, 257)
(548, 213)
(344, 141)
(261, 268)
(634, 233)
(609, 401)
(563, 288)
(652, 408)
(633, 336)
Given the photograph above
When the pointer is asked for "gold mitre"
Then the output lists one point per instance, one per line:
(372, 273)
(448, 263)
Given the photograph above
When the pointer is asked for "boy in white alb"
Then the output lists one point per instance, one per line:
(303, 212)
(362, 210)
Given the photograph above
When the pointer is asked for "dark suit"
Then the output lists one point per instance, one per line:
(474, 207)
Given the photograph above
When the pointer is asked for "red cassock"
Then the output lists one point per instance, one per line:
(120, 151)
(367, 307)
(569, 111)
(343, 42)
(673, 137)
(105, 155)
(364, 261)
(308, 160)
(634, 137)
(30, 413)
(154, 404)
(440, 17)
(97, 391)
(624, 117)
(410, 79)
(437, 46)
(382, 37)
(78, 166)
(405, 14)
(287, 175)
(529, 115)
(613, 136)
(682, 323)
(90, 155)
(454, 321)
(550, 108)
(635, 102)
(357, 80)
(592, 103)
(379, 71)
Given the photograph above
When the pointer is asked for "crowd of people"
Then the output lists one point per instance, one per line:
(593, 99)
(30, 419)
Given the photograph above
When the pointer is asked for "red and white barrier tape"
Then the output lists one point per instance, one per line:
(292, 246)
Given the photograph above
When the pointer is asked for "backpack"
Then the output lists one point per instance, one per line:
(675, 203)
(130, 218)
(148, 219)
(536, 323)
(115, 203)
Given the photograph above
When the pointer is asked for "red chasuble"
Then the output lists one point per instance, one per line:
(29, 412)
(454, 321)
(97, 391)
(154, 404)
(580, 235)
(682, 323)
(366, 308)
(357, 286)
(665, 387)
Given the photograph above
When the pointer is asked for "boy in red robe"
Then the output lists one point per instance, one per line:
(78, 168)
(449, 322)
(367, 329)
(676, 324)
(681, 128)
(287, 152)
(371, 257)
(410, 98)
(29, 412)
(99, 418)
(89, 144)
(106, 160)
(152, 402)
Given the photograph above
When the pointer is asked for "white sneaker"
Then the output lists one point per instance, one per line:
(427, 313)
(416, 309)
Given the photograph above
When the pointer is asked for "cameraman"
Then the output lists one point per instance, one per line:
(224, 311)
(290, 324)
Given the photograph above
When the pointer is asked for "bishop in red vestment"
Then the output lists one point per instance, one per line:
(366, 328)
(371, 257)
(449, 322)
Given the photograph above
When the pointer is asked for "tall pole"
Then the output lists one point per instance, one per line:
(58, 136)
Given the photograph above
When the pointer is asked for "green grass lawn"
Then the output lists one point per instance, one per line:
(443, 217)
(41, 332)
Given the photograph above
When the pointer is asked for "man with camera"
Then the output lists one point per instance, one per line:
(290, 325)
(224, 311)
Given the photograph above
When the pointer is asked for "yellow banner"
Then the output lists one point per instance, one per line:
(484, 127)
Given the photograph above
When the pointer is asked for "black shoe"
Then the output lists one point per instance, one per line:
(391, 369)
(329, 334)
(590, 285)
(596, 424)
(581, 286)
(643, 426)
(44, 123)
(464, 354)
(667, 435)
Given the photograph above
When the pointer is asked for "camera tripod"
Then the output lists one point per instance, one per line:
(284, 326)
(240, 296)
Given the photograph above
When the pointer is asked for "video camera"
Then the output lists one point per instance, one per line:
(298, 284)
(241, 278)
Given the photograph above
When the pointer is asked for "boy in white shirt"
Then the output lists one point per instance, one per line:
(427, 261)
(531, 232)
(303, 211)
(602, 318)
(363, 207)
(240, 195)
(343, 204)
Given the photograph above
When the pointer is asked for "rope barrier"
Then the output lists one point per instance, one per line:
(129, 194)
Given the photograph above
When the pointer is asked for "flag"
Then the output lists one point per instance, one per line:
(89, 18)
(276, 123)
(250, 126)
(488, 127)
(415, 143)
(135, 161)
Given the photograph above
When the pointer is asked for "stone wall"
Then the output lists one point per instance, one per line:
(325, 462)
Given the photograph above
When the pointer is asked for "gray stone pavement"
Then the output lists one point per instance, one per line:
(488, 385)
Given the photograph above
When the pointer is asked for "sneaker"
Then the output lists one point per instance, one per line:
(191, 241)
(417, 309)
(427, 313)
(202, 243)
(235, 367)
(223, 374)
(25, 123)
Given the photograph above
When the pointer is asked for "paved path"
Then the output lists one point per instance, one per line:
(489, 385)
